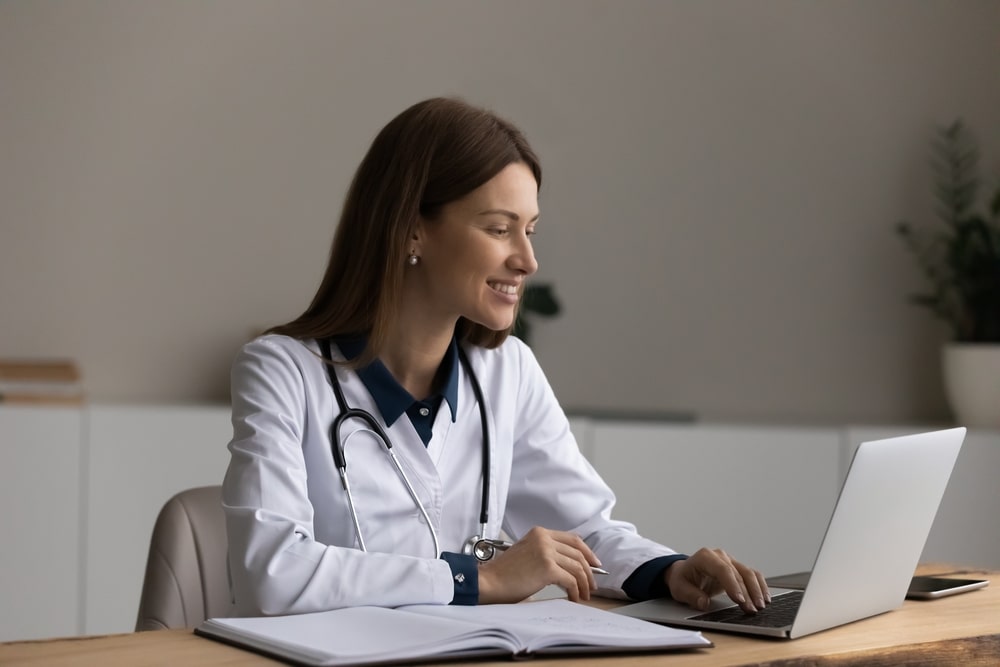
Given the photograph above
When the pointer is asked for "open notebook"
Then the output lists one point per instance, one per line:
(377, 635)
(869, 552)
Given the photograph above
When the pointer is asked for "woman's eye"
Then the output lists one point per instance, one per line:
(499, 231)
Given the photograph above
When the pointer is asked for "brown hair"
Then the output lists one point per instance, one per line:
(433, 153)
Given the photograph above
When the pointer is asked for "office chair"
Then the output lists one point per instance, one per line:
(186, 580)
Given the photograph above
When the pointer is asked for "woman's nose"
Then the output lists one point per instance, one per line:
(523, 257)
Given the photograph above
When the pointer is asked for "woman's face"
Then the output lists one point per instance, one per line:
(475, 255)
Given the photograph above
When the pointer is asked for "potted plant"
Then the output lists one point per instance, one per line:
(960, 258)
(540, 299)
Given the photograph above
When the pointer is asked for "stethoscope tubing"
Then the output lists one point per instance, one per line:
(340, 460)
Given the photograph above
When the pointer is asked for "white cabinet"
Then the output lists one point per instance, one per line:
(81, 488)
(40, 497)
(762, 494)
(140, 456)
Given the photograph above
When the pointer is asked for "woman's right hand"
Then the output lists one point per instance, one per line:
(540, 558)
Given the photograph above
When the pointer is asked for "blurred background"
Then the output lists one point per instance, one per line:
(721, 184)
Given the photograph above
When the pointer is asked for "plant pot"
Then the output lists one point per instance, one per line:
(972, 383)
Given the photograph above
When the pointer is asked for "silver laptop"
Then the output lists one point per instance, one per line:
(871, 547)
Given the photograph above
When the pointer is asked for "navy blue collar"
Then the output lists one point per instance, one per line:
(390, 397)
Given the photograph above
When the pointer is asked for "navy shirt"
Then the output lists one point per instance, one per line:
(393, 401)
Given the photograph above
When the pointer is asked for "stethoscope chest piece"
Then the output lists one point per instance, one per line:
(484, 548)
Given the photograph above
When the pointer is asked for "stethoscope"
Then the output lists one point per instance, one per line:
(479, 545)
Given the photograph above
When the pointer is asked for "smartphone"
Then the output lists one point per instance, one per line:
(929, 588)
(921, 588)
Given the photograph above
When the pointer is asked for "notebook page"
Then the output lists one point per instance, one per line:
(358, 636)
(561, 624)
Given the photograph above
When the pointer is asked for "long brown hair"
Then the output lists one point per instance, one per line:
(435, 152)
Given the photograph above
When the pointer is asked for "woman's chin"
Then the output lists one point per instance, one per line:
(495, 323)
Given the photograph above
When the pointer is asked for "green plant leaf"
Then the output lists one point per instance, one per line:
(538, 299)
(961, 260)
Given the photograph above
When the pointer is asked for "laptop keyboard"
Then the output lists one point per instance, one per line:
(779, 613)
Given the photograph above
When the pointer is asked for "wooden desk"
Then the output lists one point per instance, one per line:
(959, 630)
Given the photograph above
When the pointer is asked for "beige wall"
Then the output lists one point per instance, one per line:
(721, 182)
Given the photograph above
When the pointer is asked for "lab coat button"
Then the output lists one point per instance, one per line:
(424, 412)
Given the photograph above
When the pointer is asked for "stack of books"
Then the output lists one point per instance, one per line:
(40, 381)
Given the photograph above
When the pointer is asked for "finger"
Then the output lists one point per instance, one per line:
(564, 563)
(583, 579)
(575, 541)
(737, 583)
(563, 575)
(752, 583)
(569, 545)
(764, 588)
(720, 566)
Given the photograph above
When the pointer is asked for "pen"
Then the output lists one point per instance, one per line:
(503, 545)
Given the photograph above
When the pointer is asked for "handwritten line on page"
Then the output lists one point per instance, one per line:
(375, 635)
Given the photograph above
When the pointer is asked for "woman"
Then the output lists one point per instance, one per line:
(428, 261)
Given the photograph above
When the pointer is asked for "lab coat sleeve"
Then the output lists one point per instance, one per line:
(554, 486)
(276, 565)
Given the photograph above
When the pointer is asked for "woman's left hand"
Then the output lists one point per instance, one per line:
(708, 572)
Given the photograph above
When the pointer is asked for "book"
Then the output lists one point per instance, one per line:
(40, 381)
(420, 633)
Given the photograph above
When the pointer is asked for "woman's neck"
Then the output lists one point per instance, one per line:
(414, 357)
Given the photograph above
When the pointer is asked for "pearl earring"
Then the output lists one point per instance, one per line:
(413, 260)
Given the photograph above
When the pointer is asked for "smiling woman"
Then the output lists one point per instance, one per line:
(402, 370)
(433, 154)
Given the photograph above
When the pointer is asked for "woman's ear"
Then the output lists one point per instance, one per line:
(416, 237)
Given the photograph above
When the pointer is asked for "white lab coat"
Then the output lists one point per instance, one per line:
(292, 546)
